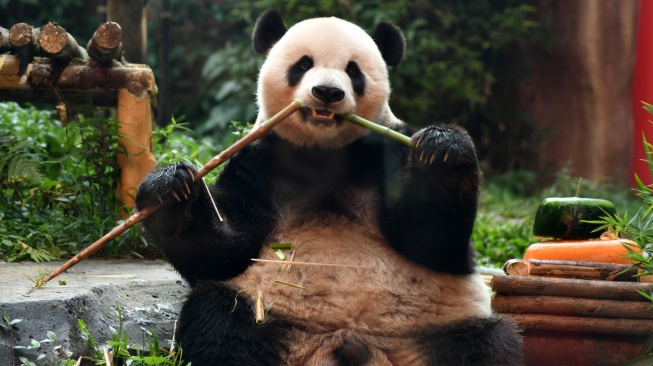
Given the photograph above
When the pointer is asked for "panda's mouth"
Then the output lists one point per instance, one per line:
(320, 117)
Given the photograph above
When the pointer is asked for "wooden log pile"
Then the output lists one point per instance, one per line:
(575, 313)
(46, 65)
(54, 42)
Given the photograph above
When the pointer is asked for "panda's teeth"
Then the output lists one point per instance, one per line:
(315, 114)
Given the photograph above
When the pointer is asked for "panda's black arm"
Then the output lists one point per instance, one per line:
(432, 201)
(192, 237)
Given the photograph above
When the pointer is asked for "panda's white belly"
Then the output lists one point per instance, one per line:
(389, 296)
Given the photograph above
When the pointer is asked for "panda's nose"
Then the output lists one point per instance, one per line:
(328, 94)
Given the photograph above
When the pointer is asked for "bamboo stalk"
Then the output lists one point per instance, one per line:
(383, 130)
(529, 285)
(259, 308)
(139, 216)
(583, 325)
(273, 261)
(572, 306)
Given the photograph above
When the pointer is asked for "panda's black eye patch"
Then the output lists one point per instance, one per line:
(357, 77)
(298, 69)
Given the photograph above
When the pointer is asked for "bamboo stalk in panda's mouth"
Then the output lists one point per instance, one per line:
(138, 216)
(383, 130)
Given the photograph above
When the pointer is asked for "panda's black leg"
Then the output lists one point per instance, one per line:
(490, 341)
(213, 330)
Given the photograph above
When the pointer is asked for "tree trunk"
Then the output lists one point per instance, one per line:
(579, 90)
(131, 15)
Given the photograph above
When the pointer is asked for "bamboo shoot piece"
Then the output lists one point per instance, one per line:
(57, 43)
(106, 43)
(138, 216)
(530, 285)
(572, 306)
(383, 130)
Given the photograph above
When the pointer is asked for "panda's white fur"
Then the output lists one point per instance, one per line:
(384, 304)
(332, 43)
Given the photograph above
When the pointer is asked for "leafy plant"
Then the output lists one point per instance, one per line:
(638, 228)
(8, 325)
(117, 351)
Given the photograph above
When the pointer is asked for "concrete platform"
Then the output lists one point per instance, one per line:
(150, 294)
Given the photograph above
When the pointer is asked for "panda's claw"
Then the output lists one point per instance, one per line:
(419, 141)
(192, 176)
(446, 157)
(176, 196)
(434, 156)
(187, 187)
(158, 198)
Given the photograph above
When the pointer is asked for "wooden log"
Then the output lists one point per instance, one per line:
(530, 285)
(515, 267)
(572, 306)
(550, 348)
(22, 34)
(57, 43)
(9, 70)
(584, 325)
(4, 40)
(136, 78)
(135, 155)
(106, 43)
(132, 17)
(24, 40)
(571, 269)
(585, 270)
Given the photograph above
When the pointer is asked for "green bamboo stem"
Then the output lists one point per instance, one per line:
(383, 130)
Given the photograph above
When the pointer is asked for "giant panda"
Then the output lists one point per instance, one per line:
(392, 224)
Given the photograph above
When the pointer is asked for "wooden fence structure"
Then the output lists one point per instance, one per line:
(47, 65)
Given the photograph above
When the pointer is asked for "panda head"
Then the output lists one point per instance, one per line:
(332, 67)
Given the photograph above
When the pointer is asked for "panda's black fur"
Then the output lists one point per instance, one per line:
(342, 196)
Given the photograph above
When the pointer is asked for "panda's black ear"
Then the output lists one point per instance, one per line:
(268, 30)
(391, 42)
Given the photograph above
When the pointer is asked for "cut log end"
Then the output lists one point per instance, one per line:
(108, 35)
(53, 38)
(20, 35)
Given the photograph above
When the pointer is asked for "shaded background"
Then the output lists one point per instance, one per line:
(542, 85)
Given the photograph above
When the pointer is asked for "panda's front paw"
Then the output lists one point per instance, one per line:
(444, 147)
(171, 184)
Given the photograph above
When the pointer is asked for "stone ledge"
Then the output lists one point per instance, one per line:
(150, 294)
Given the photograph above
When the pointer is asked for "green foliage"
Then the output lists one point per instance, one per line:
(123, 352)
(57, 183)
